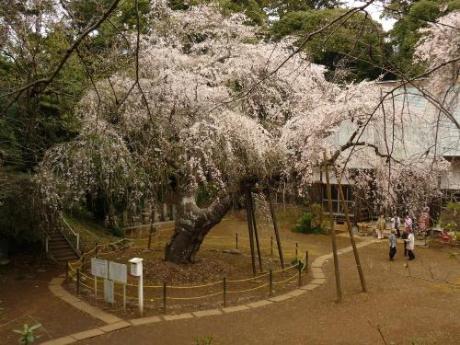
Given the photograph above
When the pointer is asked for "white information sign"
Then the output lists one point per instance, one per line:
(99, 268)
(108, 291)
(118, 272)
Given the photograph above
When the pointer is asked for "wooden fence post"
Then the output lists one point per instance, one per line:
(296, 250)
(78, 281)
(224, 285)
(270, 282)
(164, 297)
(306, 261)
(299, 265)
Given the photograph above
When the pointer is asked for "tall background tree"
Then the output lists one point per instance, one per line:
(411, 17)
(355, 50)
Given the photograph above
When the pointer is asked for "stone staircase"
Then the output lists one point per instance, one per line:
(60, 249)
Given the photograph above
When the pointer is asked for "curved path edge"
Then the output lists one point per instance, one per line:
(114, 323)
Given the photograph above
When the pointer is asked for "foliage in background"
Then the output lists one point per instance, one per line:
(411, 17)
(206, 340)
(312, 222)
(355, 50)
(450, 217)
(19, 216)
(34, 37)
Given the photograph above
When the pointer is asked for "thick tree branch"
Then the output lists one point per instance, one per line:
(44, 82)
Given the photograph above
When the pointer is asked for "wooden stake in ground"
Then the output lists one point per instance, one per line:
(333, 238)
(275, 227)
(350, 232)
(250, 229)
(256, 233)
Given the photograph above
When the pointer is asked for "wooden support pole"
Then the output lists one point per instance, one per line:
(256, 233)
(236, 240)
(350, 232)
(250, 231)
(332, 229)
(297, 251)
(270, 282)
(271, 245)
(275, 228)
(164, 297)
(224, 286)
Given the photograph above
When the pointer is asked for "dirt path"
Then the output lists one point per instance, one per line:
(25, 298)
(407, 310)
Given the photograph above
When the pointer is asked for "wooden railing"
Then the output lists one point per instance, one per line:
(70, 235)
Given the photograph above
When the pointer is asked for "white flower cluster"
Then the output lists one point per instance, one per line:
(440, 49)
(210, 105)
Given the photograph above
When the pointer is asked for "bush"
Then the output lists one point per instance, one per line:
(19, 215)
(305, 225)
(118, 231)
(28, 334)
(450, 216)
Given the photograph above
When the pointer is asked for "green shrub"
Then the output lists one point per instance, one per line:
(27, 334)
(450, 216)
(118, 231)
(305, 225)
(298, 263)
(206, 340)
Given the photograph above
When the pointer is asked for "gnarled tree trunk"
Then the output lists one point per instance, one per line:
(192, 225)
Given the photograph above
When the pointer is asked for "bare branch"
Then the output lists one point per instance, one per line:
(44, 82)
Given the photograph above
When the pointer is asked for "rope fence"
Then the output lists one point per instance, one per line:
(163, 296)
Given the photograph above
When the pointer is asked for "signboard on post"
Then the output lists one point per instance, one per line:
(118, 272)
(99, 268)
(108, 291)
(137, 271)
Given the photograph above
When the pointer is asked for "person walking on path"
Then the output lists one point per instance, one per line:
(407, 223)
(380, 226)
(392, 242)
(396, 222)
(404, 237)
(407, 230)
(410, 245)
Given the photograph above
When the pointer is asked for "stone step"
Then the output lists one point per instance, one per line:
(62, 251)
(56, 237)
(68, 257)
(58, 245)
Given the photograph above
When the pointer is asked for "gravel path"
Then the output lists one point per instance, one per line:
(398, 309)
